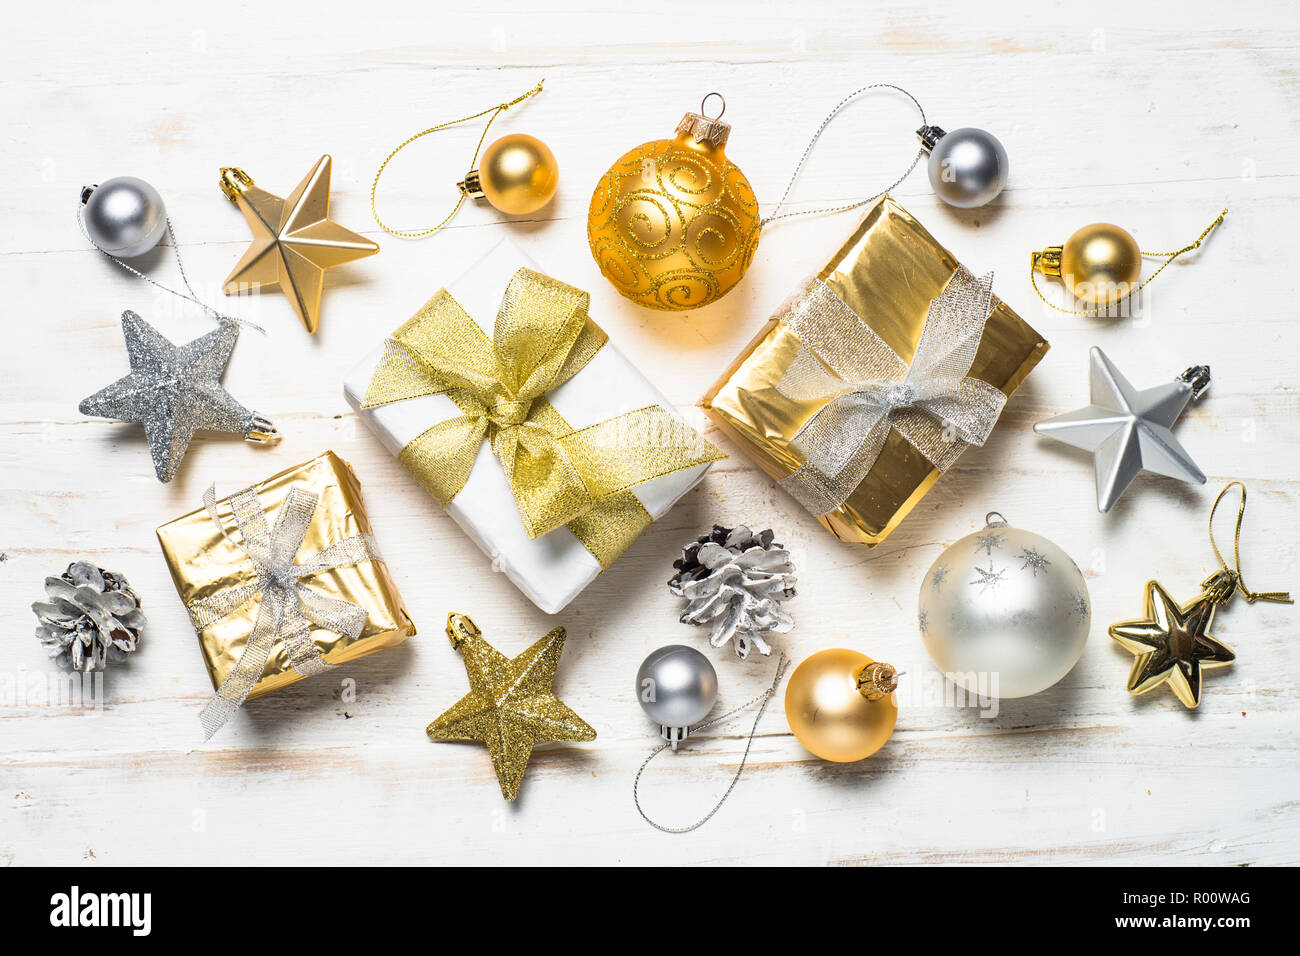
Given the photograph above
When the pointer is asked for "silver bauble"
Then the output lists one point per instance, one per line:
(124, 216)
(1004, 612)
(676, 686)
(968, 167)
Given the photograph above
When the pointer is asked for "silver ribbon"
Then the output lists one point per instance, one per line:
(869, 389)
(288, 608)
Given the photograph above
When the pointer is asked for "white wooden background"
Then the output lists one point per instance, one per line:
(1151, 118)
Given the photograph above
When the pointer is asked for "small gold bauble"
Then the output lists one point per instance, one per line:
(1100, 264)
(673, 224)
(518, 174)
(828, 705)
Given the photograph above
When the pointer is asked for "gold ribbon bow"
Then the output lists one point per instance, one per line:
(559, 476)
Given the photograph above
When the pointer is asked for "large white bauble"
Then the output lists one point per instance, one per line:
(1004, 612)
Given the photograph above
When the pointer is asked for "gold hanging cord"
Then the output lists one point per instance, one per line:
(1281, 597)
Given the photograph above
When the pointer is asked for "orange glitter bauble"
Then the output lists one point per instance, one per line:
(673, 224)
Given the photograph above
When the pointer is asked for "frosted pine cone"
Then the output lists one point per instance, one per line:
(735, 580)
(92, 617)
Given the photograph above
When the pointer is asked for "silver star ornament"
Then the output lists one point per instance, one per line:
(175, 391)
(1128, 431)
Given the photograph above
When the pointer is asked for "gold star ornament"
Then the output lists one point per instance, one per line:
(294, 239)
(510, 705)
(1173, 644)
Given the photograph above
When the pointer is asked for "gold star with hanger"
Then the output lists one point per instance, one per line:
(510, 705)
(294, 239)
(1173, 644)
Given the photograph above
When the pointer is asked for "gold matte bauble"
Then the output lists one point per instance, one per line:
(1100, 264)
(673, 224)
(841, 705)
(518, 174)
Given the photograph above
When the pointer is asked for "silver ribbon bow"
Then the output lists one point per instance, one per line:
(933, 403)
(288, 608)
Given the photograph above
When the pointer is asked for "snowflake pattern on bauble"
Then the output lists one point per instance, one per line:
(1033, 559)
(990, 579)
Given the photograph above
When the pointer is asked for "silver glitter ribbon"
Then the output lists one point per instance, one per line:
(869, 389)
(288, 608)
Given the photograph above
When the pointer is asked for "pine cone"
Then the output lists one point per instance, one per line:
(92, 617)
(736, 580)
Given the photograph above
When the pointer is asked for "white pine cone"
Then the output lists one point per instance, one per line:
(91, 617)
(735, 581)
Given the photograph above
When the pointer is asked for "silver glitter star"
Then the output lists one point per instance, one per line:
(1127, 431)
(1033, 560)
(989, 579)
(987, 542)
(937, 576)
(1080, 608)
(175, 391)
(923, 621)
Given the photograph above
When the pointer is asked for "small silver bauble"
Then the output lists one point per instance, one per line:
(676, 687)
(124, 216)
(968, 167)
(1004, 612)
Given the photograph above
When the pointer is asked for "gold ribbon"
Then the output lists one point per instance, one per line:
(559, 475)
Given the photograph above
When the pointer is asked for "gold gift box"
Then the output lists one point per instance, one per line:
(887, 273)
(204, 562)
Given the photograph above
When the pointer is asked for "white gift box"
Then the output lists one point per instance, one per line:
(553, 569)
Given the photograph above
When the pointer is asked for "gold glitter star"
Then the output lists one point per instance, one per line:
(510, 705)
(1173, 644)
(294, 240)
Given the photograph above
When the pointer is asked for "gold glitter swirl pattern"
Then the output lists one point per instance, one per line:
(673, 224)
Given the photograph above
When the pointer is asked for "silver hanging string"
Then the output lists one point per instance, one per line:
(813, 142)
(192, 296)
(763, 699)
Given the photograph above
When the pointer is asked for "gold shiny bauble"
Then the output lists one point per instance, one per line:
(518, 174)
(829, 712)
(673, 224)
(1100, 264)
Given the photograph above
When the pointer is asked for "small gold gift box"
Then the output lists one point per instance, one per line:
(867, 309)
(208, 563)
